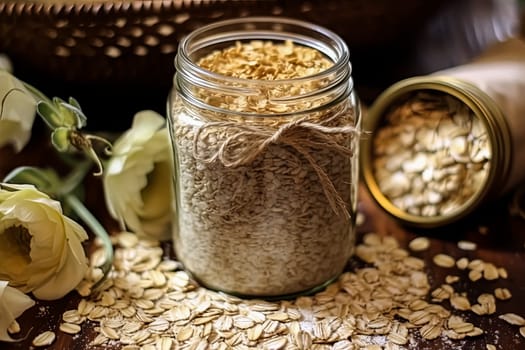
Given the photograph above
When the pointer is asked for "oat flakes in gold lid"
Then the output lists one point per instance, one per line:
(438, 147)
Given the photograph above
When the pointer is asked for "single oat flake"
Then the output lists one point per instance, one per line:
(419, 244)
(44, 339)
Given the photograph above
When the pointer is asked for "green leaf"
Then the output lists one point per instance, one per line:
(67, 115)
(73, 102)
(99, 230)
(82, 119)
(74, 117)
(46, 180)
(60, 139)
(49, 114)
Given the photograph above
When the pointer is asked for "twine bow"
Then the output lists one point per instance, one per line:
(249, 141)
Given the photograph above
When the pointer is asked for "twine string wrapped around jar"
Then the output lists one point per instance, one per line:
(300, 134)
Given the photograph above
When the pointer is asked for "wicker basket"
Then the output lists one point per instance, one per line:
(121, 52)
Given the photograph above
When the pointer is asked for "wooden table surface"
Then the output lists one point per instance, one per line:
(499, 235)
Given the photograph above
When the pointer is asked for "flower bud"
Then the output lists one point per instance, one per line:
(17, 112)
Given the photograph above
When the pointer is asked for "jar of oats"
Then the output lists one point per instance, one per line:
(264, 125)
(443, 144)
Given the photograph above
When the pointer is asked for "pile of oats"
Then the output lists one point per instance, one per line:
(253, 209)
(150, 302)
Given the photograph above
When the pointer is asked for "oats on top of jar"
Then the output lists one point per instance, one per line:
(266, 60)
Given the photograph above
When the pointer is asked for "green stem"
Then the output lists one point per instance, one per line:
(97, 229)
(74, 178)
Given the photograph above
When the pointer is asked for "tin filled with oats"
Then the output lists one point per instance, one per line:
(265, 128)
(443, 144)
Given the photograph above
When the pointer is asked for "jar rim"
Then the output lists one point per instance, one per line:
(340, 54)
(334, 82)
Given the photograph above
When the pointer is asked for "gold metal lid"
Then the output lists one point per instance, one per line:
(422, 204)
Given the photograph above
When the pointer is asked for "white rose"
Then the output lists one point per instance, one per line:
(12, 304)
(40, 248)
(137, 178)
(17, 112)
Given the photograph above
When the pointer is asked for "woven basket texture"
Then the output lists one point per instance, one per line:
(120, 51)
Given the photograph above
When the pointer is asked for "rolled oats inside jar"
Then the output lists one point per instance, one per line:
(265, 126)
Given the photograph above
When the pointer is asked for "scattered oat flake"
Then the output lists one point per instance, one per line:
(419, 244)
(70, 328)
(490, 271)
(502, 293)
(491, 347)
(462, 263)
(467, 245)
(474, 275)
(444, 260)
(459, 302)
(451, 279)
(479, 309)
(475, 332)
(513, 319)
(44, 339)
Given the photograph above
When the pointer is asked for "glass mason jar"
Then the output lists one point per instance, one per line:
(264, 124)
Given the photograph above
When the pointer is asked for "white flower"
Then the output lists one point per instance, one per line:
(137, 178)
(17, 112)
(40, 248)
(12, 304)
